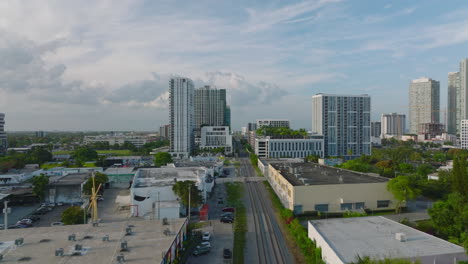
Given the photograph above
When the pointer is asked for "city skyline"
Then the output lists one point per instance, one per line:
(69, 63)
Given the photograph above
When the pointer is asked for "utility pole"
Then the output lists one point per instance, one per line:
(159, 206)
(6, 211)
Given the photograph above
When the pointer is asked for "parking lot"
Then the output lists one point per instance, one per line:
(221, 233)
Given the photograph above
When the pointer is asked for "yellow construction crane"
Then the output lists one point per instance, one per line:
(93, 207)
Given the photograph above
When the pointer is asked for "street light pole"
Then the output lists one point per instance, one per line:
(5, 213)
(189, 192)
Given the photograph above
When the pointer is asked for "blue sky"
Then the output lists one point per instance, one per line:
(104, 65)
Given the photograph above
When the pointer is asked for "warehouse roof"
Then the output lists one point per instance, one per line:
(314, 174)
(148, 242)
(375, 236)
(146, 177)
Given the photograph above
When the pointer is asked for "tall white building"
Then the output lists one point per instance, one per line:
(181, 116)
(393, 125)
(463, 89)
(288, 147)
(464, 134)
(424, 103)
(3, 136)
(272, 123)
(344, 122)
(453, 103)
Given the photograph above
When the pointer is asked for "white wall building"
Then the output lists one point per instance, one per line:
(344, 123)
(272, 123)
(151, 192)
(181, 116)
(393, 125)
(288, 147)
(137, 141)
(215, 137)
(424, 103)
(464, 134)
(3, 136)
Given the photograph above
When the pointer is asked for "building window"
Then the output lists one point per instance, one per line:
(359, 205)
(383, 203)
(346, 206)
(321, 207)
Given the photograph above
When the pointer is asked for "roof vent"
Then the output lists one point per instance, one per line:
(19, 241)
(400, 237)
(128, 231)
(105, 238)
(123, 246)
(165, 221)
(78, 247)
(167, 232)
(45, 240)
(59, 252)
(340, 179)
(25, 259)
(87, 237)
(121, 258)
(72, 237)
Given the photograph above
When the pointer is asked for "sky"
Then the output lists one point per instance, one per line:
(105, 64)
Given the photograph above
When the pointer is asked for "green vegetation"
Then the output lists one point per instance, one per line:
(116, 152)
(280, 131)
(234, 196)
(181, 189)
(218, 150)
(402, 189)
(162, 159)
(73, 215)
(83, 154)
(367, 260)
(312, 254)
(312, 158)
(99, 179)
(15, 160)
(48, 166)
(39, 184)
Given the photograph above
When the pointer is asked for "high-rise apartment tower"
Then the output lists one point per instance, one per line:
(424, 103)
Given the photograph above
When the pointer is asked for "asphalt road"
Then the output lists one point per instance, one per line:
(265, 242)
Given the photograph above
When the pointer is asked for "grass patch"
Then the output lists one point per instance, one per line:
(312, 254)
(89, 165)
(198, 225)
(234, 196)
(259, 172)
(48, 166)
(62, 152)
(117, 152)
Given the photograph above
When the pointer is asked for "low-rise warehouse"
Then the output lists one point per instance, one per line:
(139, 241)
(343, 239)
(305, 187)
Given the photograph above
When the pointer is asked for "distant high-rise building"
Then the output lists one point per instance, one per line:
(165, 131)
(464, 134)
(251, 126)
(210, 108)
(424, 103)
(227, 116)
(344, 122)
(272, 123)
(3, 136)
(181, 116)
(463, 89)
(453, 103)
(376, 128)
(41, 134)
(393, 125)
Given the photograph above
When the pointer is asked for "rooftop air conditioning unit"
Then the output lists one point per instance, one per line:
(72, 237)
(59, 252)
(400, 237)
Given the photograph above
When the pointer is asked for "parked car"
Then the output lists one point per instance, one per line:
(56, 224)
(227, 214)
(226, 220)
(25, 221)
(23, 225)
(33, 218)
(201, 251)
(228, 209)
(47, 204)
(204, 244)
(206, 236)
(227, 254)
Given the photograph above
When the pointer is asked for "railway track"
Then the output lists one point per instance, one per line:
(271, 247)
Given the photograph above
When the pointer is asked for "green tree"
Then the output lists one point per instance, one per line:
(450, 217)
(312, 158)
(460, 176)
(73, 215)
(368, 260)
(162, 158)
(402, 189)
(84, 154)
(39, 184)
(99, 179)
(181, 189)
(39, 155)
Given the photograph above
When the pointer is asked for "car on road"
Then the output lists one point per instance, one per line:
(201, 251)
(204, 244)
(25, 221)
(56, 224)
(206, 236)
(228, 209)
(227, 254)
(226, 220)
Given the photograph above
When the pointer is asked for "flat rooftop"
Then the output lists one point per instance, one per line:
(314, 174)
(147, 243)
(124, 170)
(70, 179)
(374, 236)
(147, 177)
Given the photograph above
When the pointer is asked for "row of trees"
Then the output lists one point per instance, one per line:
(280, 131)
(16, 160)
